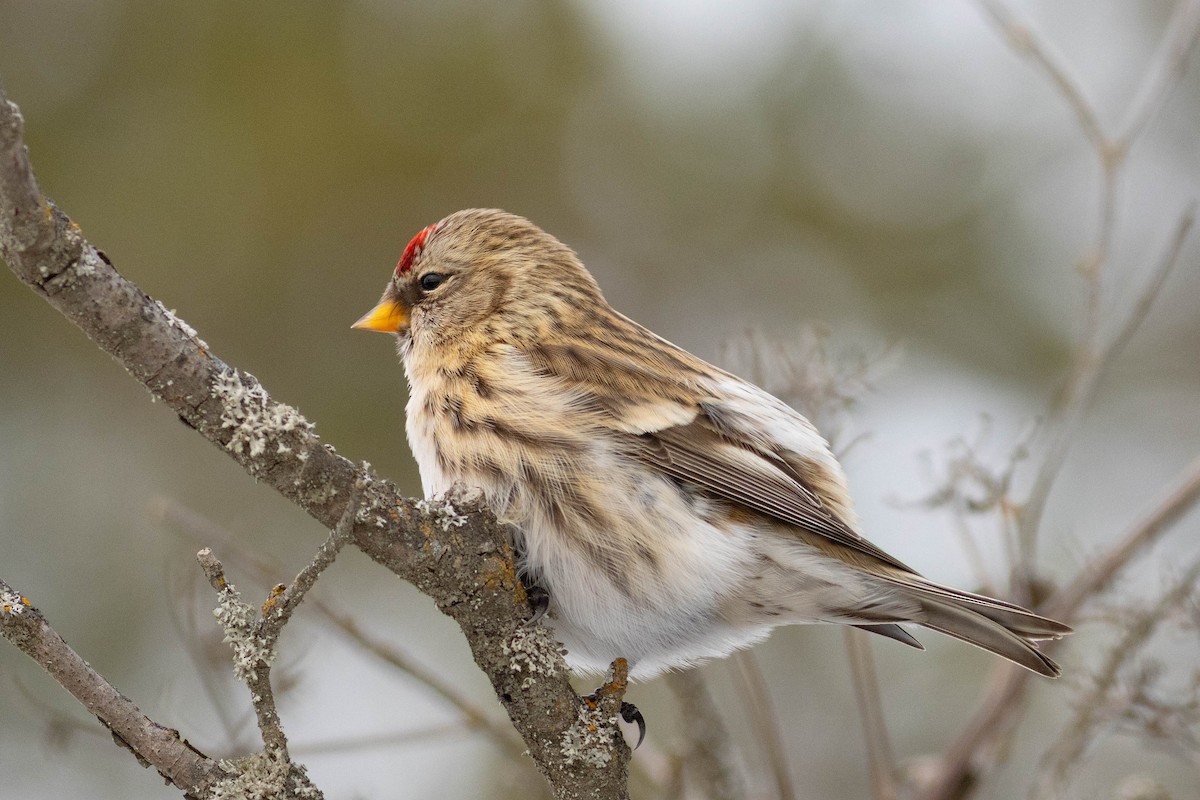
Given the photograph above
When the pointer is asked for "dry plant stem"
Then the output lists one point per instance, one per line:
(974, 554)
(1099, 573)
(1158, 277)
(1054, 773)
(1092, 355)
(162, 748)
(1166, 69)
(881, 763)
(202, 529)
(970, 755)
(1024, 40)
(707, 752)
(763, 722)
(1085, 380)
(467, 570)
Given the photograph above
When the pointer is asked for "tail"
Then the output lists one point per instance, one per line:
(1002, 628)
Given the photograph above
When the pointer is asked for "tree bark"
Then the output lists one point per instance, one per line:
(454, 550)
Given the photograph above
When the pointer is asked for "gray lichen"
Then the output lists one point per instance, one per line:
(589, 739)
(255, 419)
(533, 651)
(240, 622)
(264, 776)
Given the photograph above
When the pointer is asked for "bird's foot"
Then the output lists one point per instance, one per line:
(612, 692)
(631, 714)
(539, 603)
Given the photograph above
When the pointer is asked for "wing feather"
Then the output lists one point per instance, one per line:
(663, 406)
(737, 471)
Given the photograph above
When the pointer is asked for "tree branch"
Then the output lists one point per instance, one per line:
(456, 553)
(203, 530)
(160, 747)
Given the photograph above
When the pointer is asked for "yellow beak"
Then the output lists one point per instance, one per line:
(387, 317)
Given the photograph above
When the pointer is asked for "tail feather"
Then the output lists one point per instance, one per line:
(975, 628)
(997, 626)
(1020, 621)
(893, 631)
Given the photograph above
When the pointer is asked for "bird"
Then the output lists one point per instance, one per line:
(668, 511)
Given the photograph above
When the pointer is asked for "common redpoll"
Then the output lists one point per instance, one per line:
(673, 512)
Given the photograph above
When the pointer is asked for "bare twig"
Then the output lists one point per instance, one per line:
(976, 747)
(971, 485)
(1026, 41)
(253, 652)
(1092, 355)
(209, 656)
(1087, 376)
(980, 743)
(880, 761)
(176, 760)
(278, 611)
(1145, 299)
(475, 717)
(764, 723)
(1098, 575)
(357, 744)
(254, 636)
(1092, 708)
(1166, 69)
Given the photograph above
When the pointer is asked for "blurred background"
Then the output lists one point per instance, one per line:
(893, 172)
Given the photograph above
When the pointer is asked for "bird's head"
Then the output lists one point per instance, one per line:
(481, 271)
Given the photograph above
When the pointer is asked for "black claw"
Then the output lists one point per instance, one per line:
(630, 713)
(539, 601)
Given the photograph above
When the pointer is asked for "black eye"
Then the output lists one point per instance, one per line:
(432, 280)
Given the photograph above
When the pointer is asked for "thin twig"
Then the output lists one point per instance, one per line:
(255, 640)
(253, 652)
(278, 612)
(1089, 372)
(1100, 572)
(181, 610)
(1145, 299)
(1165, 71)
(764, 723)
(1092, 355)
(357, 744)
(974, 554)
(475, 717)
(973, 750)
(1026, 41)
(881, 763)
(1078, 734)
